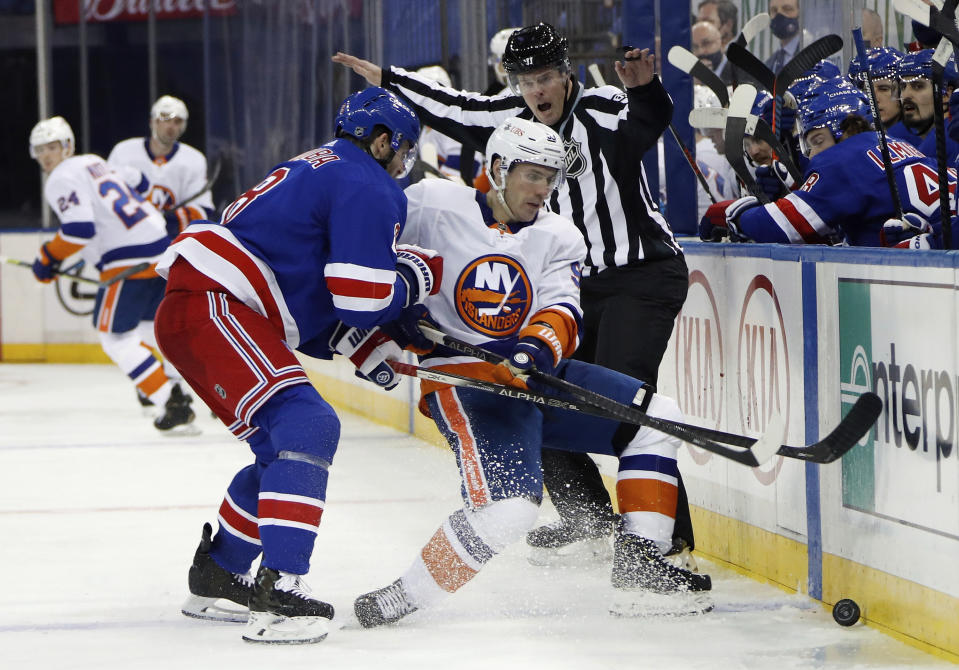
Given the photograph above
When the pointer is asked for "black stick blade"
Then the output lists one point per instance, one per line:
(822, 48)
(857, 422)
(746, 61)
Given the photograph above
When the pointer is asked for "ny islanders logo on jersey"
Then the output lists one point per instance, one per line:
(493, 295)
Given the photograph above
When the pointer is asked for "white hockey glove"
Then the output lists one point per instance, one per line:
(369, 350)
(896, 231)
(422, 271)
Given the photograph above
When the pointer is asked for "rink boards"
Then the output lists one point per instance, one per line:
(796, 331)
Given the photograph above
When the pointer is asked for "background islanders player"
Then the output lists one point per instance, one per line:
(115, 229)
(511, 284)
(169, 171)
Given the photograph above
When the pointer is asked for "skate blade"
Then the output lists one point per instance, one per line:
(584, 553)
(640, 603)
(209, 609)
(267, 628)
(184, 430)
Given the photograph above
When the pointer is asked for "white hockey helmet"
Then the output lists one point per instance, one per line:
(703, 96)
(437, 74)
(497, 45)
(54, 129)
(519, 140)
(167, 107)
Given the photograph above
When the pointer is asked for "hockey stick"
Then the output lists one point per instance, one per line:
(877, 121)
(690, 159)
(737, 127)
(940, 57)
(214, 175)
(931, 16)
(714, 117)
(760, 451)
(686, 61)
(843, 438)
(753, 27)
(59, 273)
(777, 84)
(132, 270)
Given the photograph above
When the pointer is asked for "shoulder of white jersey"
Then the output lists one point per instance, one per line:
(440, 193)
(70, 169)
(563, 229)
(191, 151)
(126, 147)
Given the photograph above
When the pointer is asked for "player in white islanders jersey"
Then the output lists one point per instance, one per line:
(167, 172)
(511, 284)
(114, 229)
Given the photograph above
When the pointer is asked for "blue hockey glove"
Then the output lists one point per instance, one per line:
(406, 332)
(45, 266)
(422, 271)
(774, 180)
(896, 231)
(369, 350)
(538, 347)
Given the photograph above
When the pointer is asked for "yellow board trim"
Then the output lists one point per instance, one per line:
(53, 353)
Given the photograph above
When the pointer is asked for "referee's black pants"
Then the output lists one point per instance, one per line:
(628, 317)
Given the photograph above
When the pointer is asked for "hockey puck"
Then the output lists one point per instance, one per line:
(846, 612)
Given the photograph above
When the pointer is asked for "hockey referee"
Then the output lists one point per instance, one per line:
(635, 277)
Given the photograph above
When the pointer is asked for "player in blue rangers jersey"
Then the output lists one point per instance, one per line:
(884, 69)
(511, 275)
(309, 248)
(845, 197)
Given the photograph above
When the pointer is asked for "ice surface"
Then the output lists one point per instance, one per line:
(100, 516)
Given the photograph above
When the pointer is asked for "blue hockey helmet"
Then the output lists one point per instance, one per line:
(832, 104)
(919, 64)
(883, 64)
(374, 106)
(809, 80)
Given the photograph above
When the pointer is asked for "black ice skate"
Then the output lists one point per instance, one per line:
(283, 612)
(571, 542)
(212, 585)
(647, 583)
(386, 605)
(147, 406)
(177, 416)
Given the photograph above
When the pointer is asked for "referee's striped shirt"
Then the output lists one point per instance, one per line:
(605, 132)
